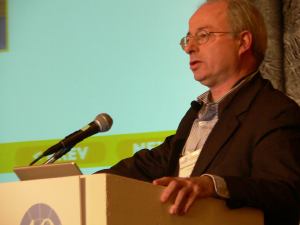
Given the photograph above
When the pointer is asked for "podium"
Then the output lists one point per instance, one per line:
(104, 199)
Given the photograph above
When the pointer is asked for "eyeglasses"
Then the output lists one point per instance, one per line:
(201, 37)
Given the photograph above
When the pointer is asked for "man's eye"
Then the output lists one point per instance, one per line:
(201, 35)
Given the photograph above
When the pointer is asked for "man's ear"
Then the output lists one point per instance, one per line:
(245, 42)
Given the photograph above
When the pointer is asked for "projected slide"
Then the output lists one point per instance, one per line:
(67, 61)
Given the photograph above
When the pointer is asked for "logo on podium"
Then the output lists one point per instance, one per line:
(40, 214)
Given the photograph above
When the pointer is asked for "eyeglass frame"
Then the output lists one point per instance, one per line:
(184, 43)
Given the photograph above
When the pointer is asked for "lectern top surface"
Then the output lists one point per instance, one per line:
(47, 171)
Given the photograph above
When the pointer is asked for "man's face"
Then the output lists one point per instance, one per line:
(215, 61)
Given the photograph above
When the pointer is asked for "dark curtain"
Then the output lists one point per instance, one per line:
(282, 61)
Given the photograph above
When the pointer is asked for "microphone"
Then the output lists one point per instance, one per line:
(102, 123)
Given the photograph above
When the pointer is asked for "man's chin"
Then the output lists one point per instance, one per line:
(202, 79)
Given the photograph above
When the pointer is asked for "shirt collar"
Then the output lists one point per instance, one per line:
(205, 98)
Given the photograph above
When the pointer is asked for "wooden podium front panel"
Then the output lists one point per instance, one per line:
(56, 199)
(103, 199)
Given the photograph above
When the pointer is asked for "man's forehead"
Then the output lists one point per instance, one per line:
(209, 15)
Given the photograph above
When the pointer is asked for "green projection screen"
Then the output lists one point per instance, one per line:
(66, 61)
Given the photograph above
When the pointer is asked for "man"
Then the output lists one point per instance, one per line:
(240, 140)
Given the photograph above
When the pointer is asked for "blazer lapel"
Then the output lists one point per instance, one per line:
(217, 138)
(228, 123)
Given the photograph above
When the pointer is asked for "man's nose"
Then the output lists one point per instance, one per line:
(191, 46)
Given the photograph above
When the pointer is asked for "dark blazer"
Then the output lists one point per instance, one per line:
(254, 146)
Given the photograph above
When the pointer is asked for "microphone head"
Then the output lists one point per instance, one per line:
(104, 121)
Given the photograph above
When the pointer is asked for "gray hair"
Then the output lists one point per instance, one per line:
(244, 16)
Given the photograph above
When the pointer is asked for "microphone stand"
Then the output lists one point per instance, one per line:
(57, 155)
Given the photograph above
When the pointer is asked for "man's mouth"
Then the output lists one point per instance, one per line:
(194, 64)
